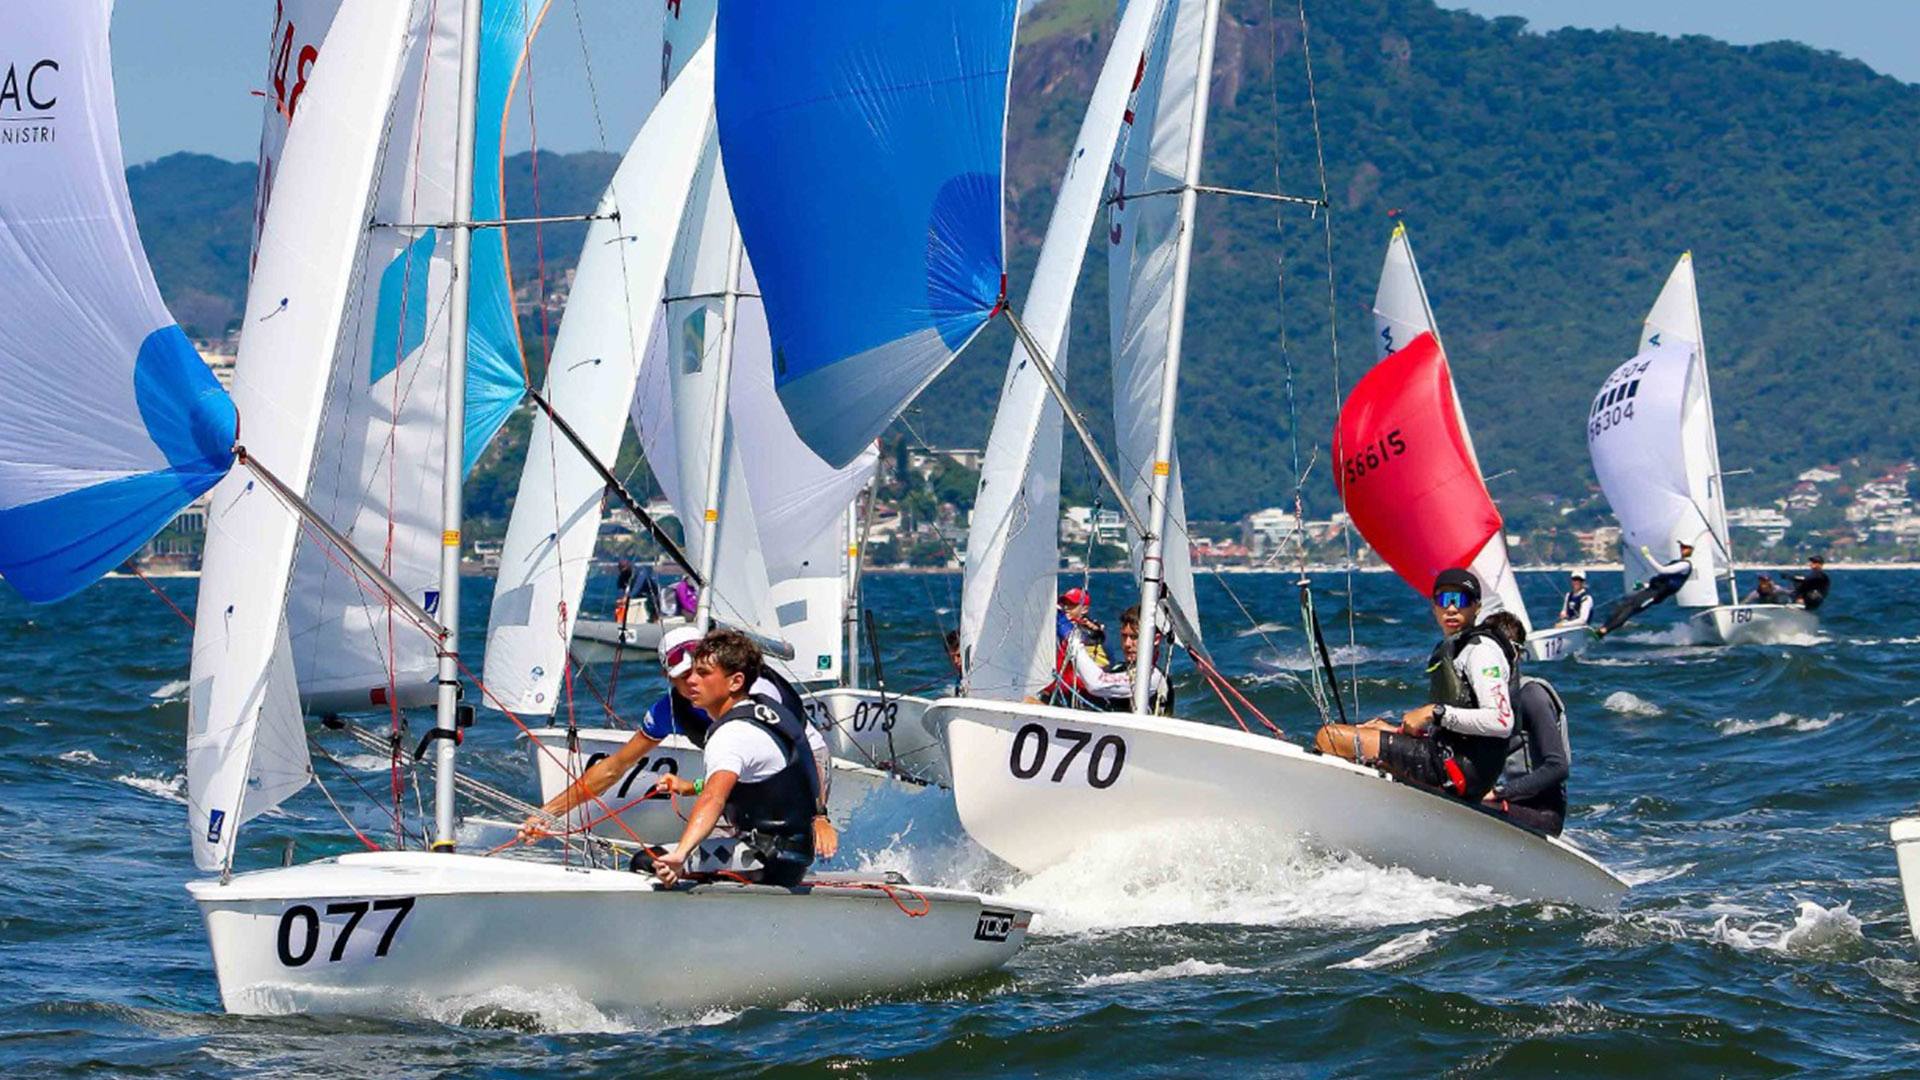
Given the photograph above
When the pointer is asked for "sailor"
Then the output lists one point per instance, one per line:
(1458, 743)
(623, 590)
(1812, 587)
(676, 714)
(1666, 580)
(1532, 788)
(1766, 592)
(1109, 687)
(1072, 624)
(952, 641)
(758, 769)
(1577, 606)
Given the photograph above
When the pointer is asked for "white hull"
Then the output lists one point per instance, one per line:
(599, 641)
(1558, 642)
(1032, 782)
(371, 932)
(1752, 624)
(660, 820)
(884, 731)
(1906, 850)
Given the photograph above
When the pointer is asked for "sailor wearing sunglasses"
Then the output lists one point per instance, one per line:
(676, 714)
(1458, 742)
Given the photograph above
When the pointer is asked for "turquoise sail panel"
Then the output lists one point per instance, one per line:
(496, 379)
(400, 324)
(865, 157)
(110, 423)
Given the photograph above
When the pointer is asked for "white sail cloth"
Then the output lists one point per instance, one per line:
(1142, 264)
(1636, 435)
(293, 48)
(1401, 313)
(611, 320)
(309, 262)
(1013, 548)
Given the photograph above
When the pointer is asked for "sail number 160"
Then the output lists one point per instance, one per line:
(1032, 746)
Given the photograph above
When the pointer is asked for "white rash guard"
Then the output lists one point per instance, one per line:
(1483, 666)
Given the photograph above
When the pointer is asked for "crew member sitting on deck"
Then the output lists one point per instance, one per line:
(1110, 687)
(1766, 592)
(676, 714)
(1072, 624)
(1458, 743)
(1666, 580)
(1577, 606)
(1811, 588)
(758, 769)
(1532, 789)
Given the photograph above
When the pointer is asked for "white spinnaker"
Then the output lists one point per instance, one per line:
(293, 48)
(310, 248)
(799, 503)
(1634, 433)
(378, 466)
(1013, 542)
(1675, 318)
(1141, 265)
(611, 317)
(1402, 312)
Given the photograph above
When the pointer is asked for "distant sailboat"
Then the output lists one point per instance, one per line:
(1650, 432)
(1406, 466)
(142, 428)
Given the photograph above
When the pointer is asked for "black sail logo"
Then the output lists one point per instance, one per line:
(29, 93)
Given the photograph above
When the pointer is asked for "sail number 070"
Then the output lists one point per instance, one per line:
(1032, 745)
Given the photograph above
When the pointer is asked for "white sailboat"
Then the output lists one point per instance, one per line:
(1650, 433)
(1401, 315)
(665, 314)
(1032, 782)
(363, 932)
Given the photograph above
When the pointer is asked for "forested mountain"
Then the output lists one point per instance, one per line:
(1549, 181)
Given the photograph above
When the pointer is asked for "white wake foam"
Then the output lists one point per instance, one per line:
(1185, 969)
(1816, 932)
(1629, 704)
(1405, 947)
(1737, 726)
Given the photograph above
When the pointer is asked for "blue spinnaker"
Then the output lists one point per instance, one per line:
(865, 156)
(110, 424)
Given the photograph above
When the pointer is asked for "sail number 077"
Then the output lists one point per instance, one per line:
(1032, 746)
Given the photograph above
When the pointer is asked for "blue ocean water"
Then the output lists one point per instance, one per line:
(1744, 791)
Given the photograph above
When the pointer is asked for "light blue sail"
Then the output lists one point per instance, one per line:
(110, 423)
(496, 379)
(864, 152)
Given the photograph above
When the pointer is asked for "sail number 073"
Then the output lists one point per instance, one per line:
(1033, 746)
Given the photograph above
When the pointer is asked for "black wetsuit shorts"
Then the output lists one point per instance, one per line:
(1412, 757)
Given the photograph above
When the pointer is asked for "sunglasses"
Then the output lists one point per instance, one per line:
(673, 657)
(1454, 598)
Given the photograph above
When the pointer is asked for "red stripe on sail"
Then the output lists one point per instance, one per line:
(1404, 471)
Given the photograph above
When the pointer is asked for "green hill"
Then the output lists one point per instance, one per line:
(1549, 180)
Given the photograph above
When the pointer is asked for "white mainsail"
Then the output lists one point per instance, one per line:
(611, 320)
(1675, 319)
(293, 48)
(1147, 266)
(1013, 551)
(1401, 313)
(311, 245)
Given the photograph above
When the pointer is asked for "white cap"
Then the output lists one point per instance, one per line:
(678, 641)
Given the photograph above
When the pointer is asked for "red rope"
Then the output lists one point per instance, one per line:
(168, 600)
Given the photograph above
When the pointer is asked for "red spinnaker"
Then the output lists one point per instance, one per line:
(1404, 470)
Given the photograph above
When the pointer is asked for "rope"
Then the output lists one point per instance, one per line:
(164, 598)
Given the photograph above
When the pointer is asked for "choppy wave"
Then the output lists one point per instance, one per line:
(1737, 726)
(173, 691)
(1627, 703)
(1185, 969)
(172, 788)
(1400, 949)
(1816, 933)
(80, 757)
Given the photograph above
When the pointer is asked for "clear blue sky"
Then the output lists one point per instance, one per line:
(186, 69)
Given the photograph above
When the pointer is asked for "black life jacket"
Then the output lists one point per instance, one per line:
(782, 805)
(1674, 580)
(1481, 757)
(1519, 748)
(1570, 609)
(693, 723)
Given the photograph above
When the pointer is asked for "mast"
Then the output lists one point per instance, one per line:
(717, 446)
(1154, 541)
(446, 718)
(1716, 480)
(857, 524)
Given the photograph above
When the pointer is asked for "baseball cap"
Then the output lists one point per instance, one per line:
(1076, 597)
(1579, 575)
(677, 647)
(1457, 580)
